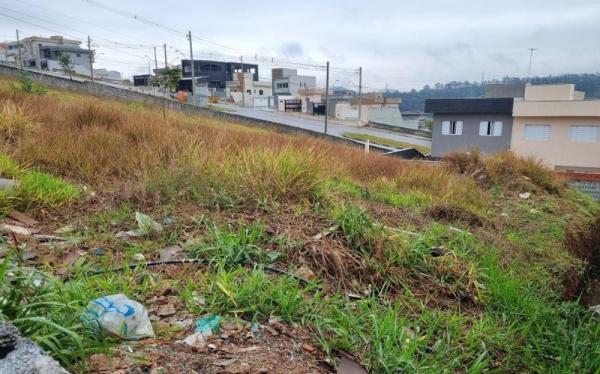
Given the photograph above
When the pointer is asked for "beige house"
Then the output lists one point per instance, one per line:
(245, 91)
(556, 124)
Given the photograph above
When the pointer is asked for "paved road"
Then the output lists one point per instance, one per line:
(318, 125)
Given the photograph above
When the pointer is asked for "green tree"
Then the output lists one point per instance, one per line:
(66, 64)
(170, 78)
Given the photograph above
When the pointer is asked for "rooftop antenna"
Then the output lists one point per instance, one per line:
(531, 50)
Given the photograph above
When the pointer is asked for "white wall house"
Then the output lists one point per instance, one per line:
(244, 90)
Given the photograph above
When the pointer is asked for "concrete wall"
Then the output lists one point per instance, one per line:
(441, 145)
(389, 115)
(559, 152)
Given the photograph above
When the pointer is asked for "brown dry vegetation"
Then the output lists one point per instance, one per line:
(451, 242)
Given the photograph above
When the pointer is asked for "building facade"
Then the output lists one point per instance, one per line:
(287, 82)
(215, 74)
(43, 53)
(244, 90)
(464, 124)
(557, 125)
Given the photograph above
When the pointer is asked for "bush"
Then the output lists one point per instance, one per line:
(27, 85)
(95, 114)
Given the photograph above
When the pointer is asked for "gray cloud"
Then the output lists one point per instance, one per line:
(403, 44)
(292, 50)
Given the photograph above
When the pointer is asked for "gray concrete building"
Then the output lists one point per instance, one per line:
(464, 124)
(287, 82)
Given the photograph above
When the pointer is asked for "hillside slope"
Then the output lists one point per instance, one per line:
(307, 248)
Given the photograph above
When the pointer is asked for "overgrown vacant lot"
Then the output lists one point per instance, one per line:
(405, 266)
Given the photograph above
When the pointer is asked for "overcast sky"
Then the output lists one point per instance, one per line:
(403, 44)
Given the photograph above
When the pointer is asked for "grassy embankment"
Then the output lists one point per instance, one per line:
(456, 272)
(387, 142)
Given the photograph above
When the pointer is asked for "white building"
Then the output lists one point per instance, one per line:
(43, 53)
(287, 82)
(244, 90)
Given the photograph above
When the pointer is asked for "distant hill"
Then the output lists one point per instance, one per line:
(415, 100)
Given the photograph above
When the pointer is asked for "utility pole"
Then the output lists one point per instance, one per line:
(243, 82)
(155, 60)
(19, 48)
(192, 64)
(326, 97)
(91, 58)
(165, 48)
(530, 60)
(360, 95)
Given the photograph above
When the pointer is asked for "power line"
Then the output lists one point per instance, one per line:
(202, 40)
(116, 32)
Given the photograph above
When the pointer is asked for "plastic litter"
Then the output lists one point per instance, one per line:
(120, 316)
(524, 195)
(147, 225)
(208, 325)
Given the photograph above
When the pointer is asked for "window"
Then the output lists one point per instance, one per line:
(260, 92)
(249, 92)
(537, 132)
(282, 85)
(452, 127)
(78, 54)
(585, 133)
(490, 128)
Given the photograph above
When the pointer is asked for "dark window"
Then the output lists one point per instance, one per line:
(249, 92)
(79, 55)
(260, 92)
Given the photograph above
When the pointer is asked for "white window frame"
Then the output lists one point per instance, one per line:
(591, 138)
(491, 128)
(452, 128)
(538, 125)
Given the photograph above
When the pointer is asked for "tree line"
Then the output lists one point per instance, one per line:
(414, 100)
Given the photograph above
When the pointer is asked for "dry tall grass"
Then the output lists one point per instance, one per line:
(100, 142)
